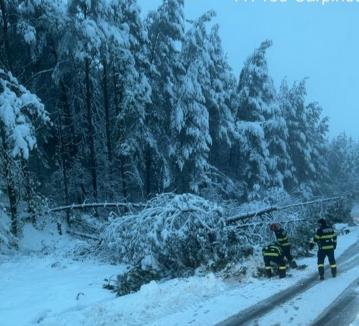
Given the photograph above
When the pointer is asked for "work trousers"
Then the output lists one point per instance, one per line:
(321, 257)
(286, 253)
(279, 261)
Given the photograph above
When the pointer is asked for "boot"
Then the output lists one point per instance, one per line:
(321, 277)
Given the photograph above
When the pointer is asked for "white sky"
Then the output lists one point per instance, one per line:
(309, 40)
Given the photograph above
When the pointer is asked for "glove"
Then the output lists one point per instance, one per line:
(311, 245)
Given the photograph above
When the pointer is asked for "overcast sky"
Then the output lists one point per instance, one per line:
(309, 40)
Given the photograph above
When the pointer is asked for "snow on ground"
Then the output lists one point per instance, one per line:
(355, 213)
(355, 322)
(243, 296)
(303, 309)
(41, 281)
(52, 289)
(34, 287)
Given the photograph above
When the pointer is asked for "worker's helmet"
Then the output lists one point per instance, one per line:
(274, 226)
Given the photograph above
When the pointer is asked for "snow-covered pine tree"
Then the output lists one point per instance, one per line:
(43, 28)
(21, 114)
(82, 43)
(131, 98)
(218, 94)
(343, 164)
(190, 119)
(276, 134)
(97, 34)
(256, 105)
(288, 110)
(166, 28)
(306, 137)
(317, 136)
(7, 26)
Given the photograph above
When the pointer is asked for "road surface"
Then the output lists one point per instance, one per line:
(341, 312)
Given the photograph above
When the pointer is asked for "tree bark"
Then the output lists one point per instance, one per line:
(107, 111)
(123, 179)
(29, 189)
(91, 129)
(122, 165)
(10, 184)
(68, 122)
(64, 165)
(6, 35)
(148, 164)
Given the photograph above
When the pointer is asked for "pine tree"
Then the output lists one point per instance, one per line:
(256, 107)
(218, 92)
(21, 113)
(166, 29)
(133, 95)
(343, 164)
(307, 141)
(190, 119)
(318, 141)
(293, 105)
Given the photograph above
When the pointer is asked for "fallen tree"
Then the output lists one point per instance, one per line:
(176, 234)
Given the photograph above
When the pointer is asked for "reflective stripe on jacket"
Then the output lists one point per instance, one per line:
(272, 250)
(282, 237)
(326, 238)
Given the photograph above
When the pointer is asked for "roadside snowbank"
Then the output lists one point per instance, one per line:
(355, 322)
(41, 280)
(34, 287)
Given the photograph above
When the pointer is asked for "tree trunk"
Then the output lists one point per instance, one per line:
(107, 111)
(123, 177)
(68, 122)
(91, 130)
(148, 164)
(6, 36)
(64, 165)
(29, 190)
(12, 199)
(10, 184)
(122, 165)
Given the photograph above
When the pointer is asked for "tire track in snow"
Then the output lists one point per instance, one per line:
(348, 260)
(343, 310)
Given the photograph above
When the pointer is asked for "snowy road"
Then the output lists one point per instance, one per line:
(294, 306)
(55, 290)
(344, 310)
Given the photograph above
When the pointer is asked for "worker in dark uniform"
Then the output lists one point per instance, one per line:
(326, 240)
(282, 239)
(274, 254)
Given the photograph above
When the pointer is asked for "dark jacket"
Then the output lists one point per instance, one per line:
(326, 238)
(272, 251)
(282, 237)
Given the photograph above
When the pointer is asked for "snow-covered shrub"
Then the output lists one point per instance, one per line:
(85, 223)
(301, 237)
(174, 234)
(134, 279)
(339, 212)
